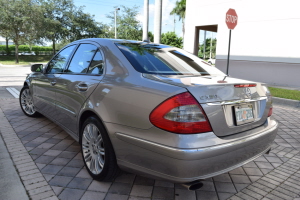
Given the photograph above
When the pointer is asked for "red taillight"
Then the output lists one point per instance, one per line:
(245, 85)
(180, 114)
(270, 112)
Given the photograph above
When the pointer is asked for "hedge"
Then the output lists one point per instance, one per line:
(25, 48)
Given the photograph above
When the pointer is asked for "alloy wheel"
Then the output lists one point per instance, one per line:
(26, 102)
(93, 148)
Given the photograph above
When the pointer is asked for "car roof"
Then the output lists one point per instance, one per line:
(105, 41)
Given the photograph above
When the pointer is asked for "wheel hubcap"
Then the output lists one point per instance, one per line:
(93, 149)
(27, 103)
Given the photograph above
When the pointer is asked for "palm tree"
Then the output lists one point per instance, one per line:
(179, 10)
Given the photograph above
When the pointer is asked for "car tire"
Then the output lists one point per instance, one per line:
(97, 151)
(26, 102)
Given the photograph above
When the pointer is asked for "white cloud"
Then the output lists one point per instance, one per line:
(168, 6)
(140, 16)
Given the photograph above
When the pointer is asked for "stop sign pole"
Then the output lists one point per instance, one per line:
(231, 21)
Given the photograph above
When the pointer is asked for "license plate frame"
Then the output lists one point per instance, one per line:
(243, 114)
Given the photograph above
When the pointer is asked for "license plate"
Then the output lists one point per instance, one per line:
(243, 114)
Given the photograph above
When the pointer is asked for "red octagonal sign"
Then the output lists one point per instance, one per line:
(231, 19)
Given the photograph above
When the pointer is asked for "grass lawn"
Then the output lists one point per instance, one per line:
(284, 93)
(24, 60)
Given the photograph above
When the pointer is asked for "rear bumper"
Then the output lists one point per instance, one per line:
(188, 164)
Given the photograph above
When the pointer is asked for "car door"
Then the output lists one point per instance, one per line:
(77, 83)
(44, 84)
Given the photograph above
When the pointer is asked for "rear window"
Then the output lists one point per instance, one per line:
(164, 60)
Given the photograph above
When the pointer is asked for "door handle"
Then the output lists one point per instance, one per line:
(82, 87)
(53, 83)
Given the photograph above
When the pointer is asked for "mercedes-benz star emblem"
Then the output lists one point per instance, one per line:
(247, 91)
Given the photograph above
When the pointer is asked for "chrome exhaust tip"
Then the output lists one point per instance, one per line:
(195, 185)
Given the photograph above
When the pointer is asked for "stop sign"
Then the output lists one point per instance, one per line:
(231, 19)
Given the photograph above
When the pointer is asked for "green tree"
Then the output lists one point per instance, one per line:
(179, 10)
(57, 19)
(207, 48)
(83, 25)
(128, 27)
(66, 22)
(18, 18)
(150, 36)
(106, 32)
(6, 35)
(35, 34)
(61, 44)
(170, 38)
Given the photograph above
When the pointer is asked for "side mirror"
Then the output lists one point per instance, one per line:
(37, 68)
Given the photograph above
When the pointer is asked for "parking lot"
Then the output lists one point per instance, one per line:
(49, 163)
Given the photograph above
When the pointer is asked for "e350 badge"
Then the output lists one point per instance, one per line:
(207, 97)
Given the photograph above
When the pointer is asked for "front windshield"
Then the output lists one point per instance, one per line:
(165, 60)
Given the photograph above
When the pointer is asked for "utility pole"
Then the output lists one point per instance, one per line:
(211, 36)
(157, 21)
(146, 20)
(174, 23)
(204, 49)
(116, 34)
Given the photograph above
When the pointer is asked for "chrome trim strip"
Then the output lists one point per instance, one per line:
(236, 101)
(73, 113)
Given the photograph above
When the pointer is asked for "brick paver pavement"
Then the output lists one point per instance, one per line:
(51, 166)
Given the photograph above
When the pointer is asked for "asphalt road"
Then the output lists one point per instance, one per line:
(13, 76)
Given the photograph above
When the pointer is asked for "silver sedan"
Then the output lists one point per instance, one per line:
(151, 109)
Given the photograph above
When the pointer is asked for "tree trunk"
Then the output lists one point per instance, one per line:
(53, 46)
(6, 39)
(16, 41)
(17, 53)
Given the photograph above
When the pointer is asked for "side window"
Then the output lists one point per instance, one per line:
(96, 66)
(58, 63)
(82, 59)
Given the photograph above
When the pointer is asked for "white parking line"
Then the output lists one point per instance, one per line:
(13, 91)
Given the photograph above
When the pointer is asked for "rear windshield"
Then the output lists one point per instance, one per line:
(156, 59)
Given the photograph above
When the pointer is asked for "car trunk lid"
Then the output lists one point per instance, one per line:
(229, 103)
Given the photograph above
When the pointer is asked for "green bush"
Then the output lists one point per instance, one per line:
(10, 49)
(170, 38)
(25, 48)
(39, 48)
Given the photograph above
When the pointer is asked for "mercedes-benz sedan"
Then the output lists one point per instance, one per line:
(151, 109)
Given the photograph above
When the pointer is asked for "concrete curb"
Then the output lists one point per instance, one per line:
(33, 181)
(11, 186)
(286, 102)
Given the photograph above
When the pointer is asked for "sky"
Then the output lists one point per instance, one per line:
(100, 8)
